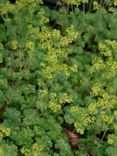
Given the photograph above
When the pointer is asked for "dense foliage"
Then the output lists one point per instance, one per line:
(58, 70)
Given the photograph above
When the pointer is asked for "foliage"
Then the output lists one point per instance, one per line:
(58, 69)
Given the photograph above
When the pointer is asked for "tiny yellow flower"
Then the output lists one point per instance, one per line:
(74, 68)
(79, 128)
(25, 151)
(30, 45)
(110, 141)
(74, 109)
(55, 106)
(92, 108)
(36, 148)
(14, 44)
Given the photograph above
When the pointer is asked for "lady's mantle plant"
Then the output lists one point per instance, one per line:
(57, 74)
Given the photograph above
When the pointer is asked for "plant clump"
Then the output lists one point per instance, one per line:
(58, 79)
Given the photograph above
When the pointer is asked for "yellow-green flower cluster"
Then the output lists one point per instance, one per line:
(14, 44)
(43, 19)
(53, 95)
(106, 117)
(98, 65)
(104, 50)
(34, 151)
(54, 66)
(25, 151)
(111, 9)
(113, 101)
(4, 131)
(96, 89)
(64, 41)
(57, 101)
(111, 68)
(106, 100)
(82, 118)
(56, 50)
(103, 103)
(74, 68)
(20, 4)
(30, 2)
(108, 66)
(32, 30)
(44, 36)
(104, 106)
(7, 8)
(51, 36)
(92, 108)
(52, 56)
(30, 45)
(71, 32)
(76, 2)
(96, 5)
(105, 95)
(87, 120)
(50, 71)
(62, 52)
(108, 48)
(54, 106)
(43, 92)
(65, 98)
(112, 43)
(79, 128)
(111, 139)
(55, 33)
(64, 69)
(1, 152)
(74, 109)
